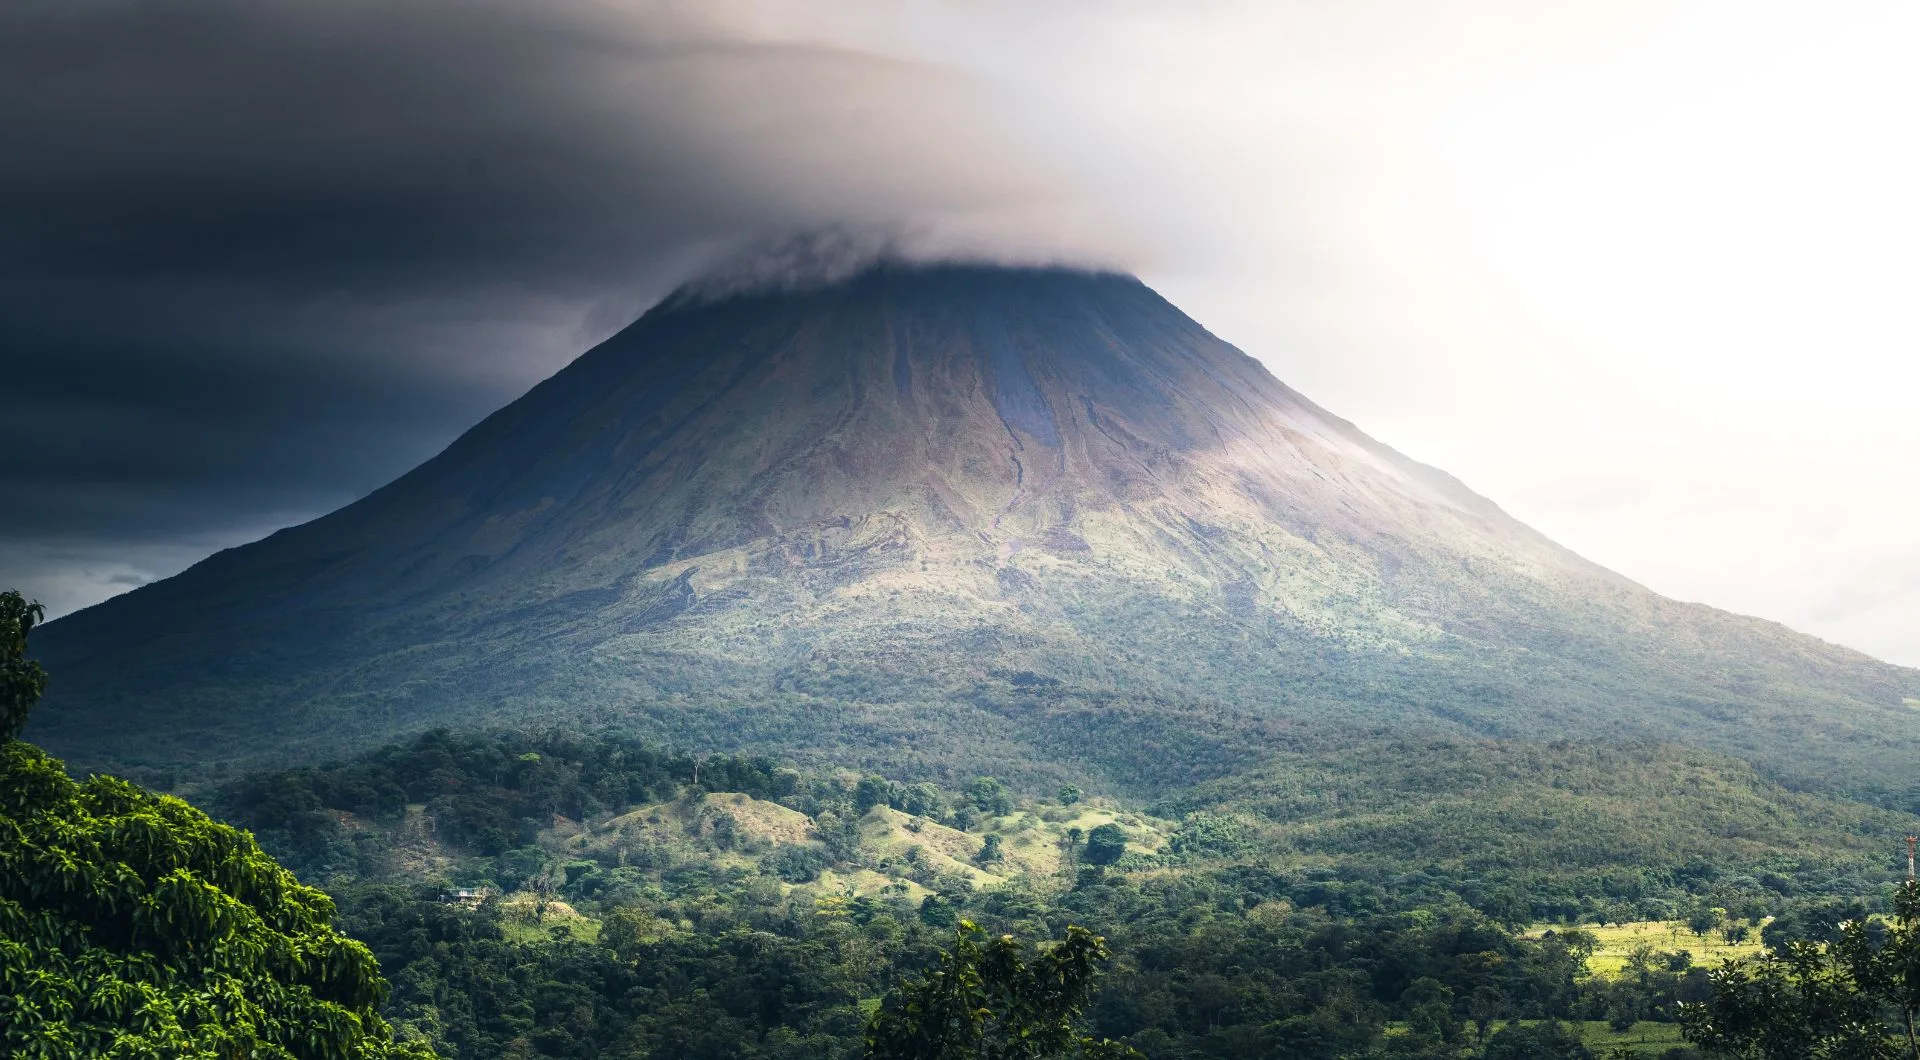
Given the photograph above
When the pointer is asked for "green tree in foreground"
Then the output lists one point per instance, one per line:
(1857, 998)
(21, 679)
(132, 925)
(994, 1000)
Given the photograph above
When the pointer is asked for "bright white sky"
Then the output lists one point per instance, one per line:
(1643, 274)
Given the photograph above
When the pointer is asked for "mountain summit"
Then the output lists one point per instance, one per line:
(1041, 512)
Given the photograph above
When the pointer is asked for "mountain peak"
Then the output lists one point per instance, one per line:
(846, 510)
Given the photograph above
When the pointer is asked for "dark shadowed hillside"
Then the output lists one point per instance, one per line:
(942, 514)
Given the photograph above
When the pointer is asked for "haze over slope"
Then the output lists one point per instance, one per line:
(1040, 513)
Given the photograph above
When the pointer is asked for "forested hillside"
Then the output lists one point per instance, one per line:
(557, 894)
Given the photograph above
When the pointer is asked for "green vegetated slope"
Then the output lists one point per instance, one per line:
(1554, 809)
(966, 513)
(622, 908)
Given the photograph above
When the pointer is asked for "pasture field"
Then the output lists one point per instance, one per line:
(1617, 941)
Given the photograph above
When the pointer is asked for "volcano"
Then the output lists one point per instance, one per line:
(1028, 513)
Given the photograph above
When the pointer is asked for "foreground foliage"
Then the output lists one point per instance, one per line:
(132, 925)
(1855, 998)
(989, 1000)
(21, 679)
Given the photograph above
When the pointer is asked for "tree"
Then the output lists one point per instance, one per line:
(624, 930)
(1858, 996)
(1069, 794)
(1510, 906)
(1816, 921)
(995, 1000)
(921, 800)
(1070, 845)
(1105, 845)
(990, 796)
(936, 911)
(131, 924)
(21, 679)
(1428, 1004)
(1485, 1005)
(990, 851)
(1704, 919)
(871, 792)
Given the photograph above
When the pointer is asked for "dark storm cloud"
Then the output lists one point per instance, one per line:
(436, 142)
(258, 257)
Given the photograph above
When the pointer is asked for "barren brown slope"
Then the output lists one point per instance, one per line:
(973, 508)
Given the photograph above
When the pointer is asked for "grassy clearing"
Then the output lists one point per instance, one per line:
(529, 918)
(1033, 841)
(1617, 941)
(890, 834)
(898, 845)
(862, 883)
(1645, 1039)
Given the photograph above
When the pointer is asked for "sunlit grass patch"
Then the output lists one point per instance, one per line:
(1617, 941)
(1644, 1039)
(529, 918)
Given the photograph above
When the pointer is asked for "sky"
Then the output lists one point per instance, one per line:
(1640, 272)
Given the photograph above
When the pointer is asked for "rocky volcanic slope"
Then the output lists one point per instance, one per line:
(1012, 514)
